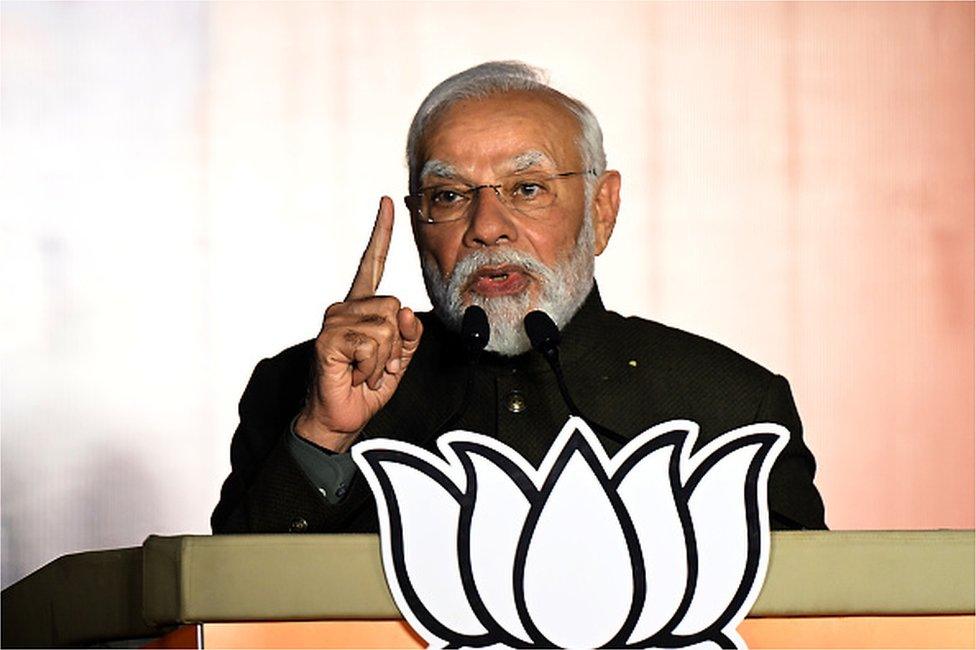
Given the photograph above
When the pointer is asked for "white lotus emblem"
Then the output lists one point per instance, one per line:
(652, 548)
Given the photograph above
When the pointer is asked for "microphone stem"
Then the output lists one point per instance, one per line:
(453, 418)
(552, 357)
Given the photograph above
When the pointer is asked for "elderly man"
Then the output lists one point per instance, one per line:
(510, 202)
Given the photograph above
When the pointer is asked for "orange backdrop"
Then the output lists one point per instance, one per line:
(188, 185)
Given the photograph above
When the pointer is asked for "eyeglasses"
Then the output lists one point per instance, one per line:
(452, 201)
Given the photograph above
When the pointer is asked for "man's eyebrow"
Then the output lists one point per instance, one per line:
(438, 168)
(529, 159)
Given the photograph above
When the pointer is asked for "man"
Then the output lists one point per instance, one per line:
(510, 202)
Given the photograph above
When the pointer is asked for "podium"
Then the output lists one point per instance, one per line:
(855, 589)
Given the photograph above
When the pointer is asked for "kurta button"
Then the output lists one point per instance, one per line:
(515, 402)
(298, 525)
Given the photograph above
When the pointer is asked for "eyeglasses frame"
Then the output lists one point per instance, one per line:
(412, 201)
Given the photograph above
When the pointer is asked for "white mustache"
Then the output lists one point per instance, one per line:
(467, 268)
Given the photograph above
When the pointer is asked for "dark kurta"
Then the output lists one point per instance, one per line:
(626, 374)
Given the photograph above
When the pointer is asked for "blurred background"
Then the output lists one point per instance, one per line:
(187, 186)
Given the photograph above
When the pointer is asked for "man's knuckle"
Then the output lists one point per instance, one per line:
(334, 309)
(389, 303)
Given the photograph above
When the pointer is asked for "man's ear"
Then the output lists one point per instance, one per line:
(606, 203)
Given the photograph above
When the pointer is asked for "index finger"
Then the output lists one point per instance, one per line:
(370, 270)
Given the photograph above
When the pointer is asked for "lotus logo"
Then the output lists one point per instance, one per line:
(654, 547)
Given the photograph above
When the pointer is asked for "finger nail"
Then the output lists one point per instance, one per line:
(379, 383)
(393, 366)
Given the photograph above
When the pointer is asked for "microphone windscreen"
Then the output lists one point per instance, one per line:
(474, 329)
(542, 331)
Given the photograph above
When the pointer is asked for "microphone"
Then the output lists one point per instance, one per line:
(544, 337)
(543, 334)
(475, 334)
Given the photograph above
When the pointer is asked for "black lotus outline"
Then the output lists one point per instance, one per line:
(375, 458)
(577, 444)
(463, 444)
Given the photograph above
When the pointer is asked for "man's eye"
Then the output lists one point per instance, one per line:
(528, 190)
(446, 196)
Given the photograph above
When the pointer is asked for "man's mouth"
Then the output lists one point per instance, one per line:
(492, 281)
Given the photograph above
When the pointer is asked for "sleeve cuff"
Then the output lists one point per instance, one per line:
(329, 471)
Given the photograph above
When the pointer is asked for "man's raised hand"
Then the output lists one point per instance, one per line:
(361, 353)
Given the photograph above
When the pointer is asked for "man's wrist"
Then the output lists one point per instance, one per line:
(311, 431)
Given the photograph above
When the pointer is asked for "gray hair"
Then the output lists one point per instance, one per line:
(499, 77)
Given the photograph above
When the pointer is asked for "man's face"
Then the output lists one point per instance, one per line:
(508, 261)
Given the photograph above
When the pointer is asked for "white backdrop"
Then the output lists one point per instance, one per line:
(187, 186)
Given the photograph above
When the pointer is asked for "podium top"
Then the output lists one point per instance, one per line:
(127, 593)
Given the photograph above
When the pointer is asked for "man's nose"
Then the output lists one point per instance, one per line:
(490, 223)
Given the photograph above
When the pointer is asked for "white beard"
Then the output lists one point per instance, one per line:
(562, 289)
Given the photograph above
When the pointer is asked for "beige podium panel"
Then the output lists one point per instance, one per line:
(905, 589)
